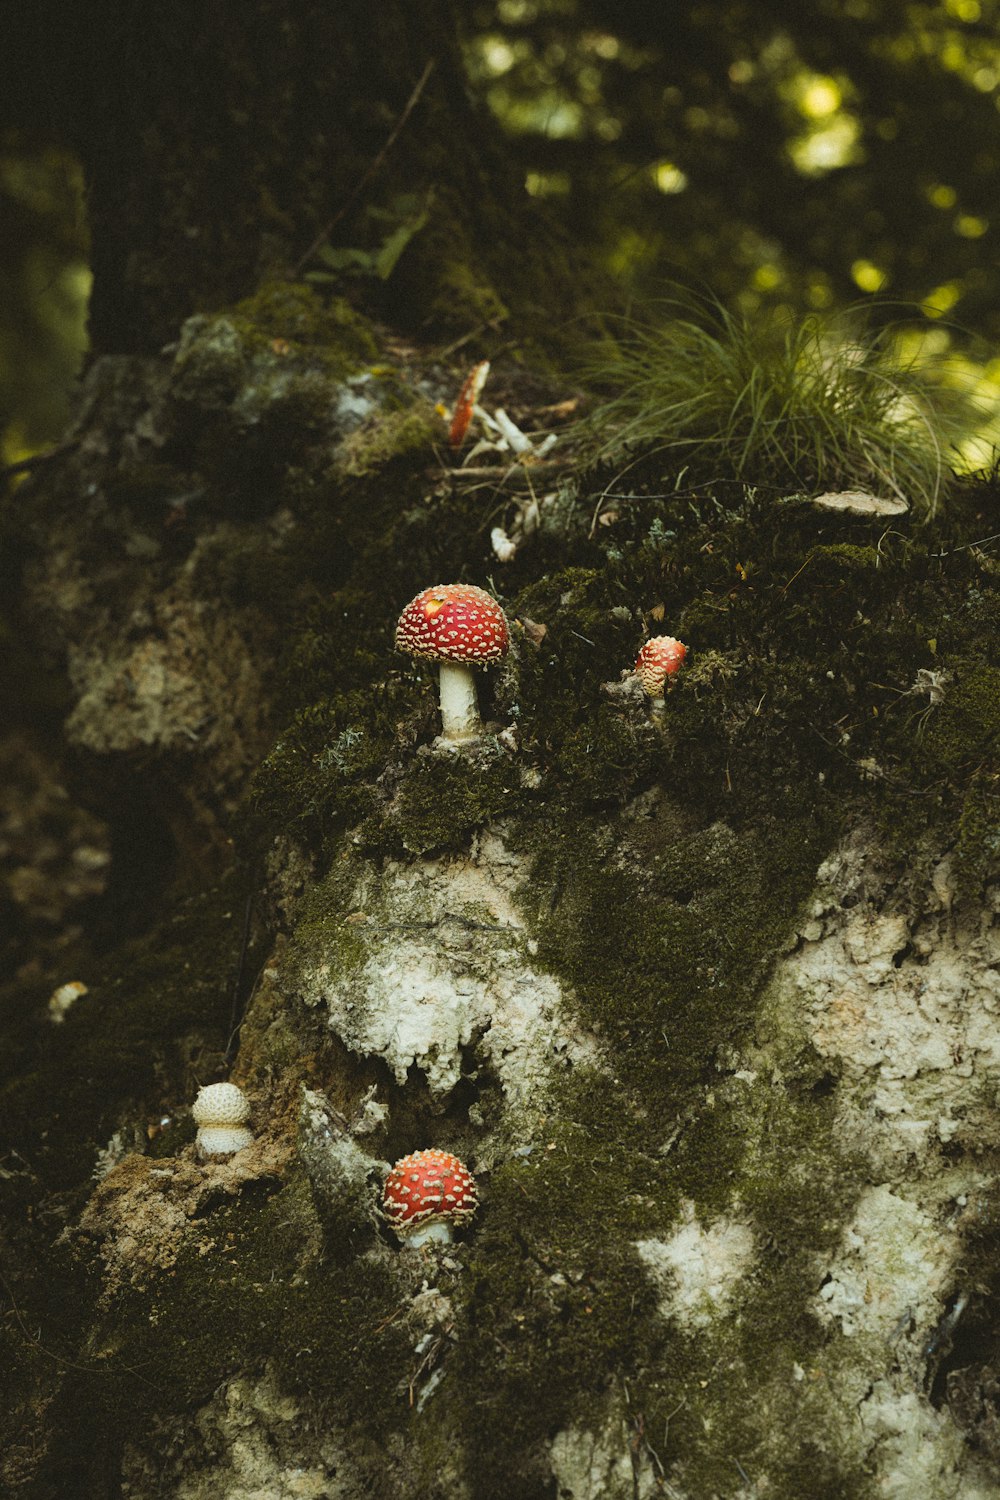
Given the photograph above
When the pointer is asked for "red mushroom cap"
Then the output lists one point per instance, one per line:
(454, 622)
(659, 659)
(428, 1187)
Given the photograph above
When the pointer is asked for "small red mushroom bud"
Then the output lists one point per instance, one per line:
(461, 627)
(660, 658)
(425, 1194)
(466, 402)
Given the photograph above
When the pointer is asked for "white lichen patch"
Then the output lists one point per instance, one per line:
(445, 965)
(902, 1005)
(172, 674)
(893, 1267)
(338, 1170)
(699, 1268)
(246, 1444)
(602, 1466)
(909, 1010)
(174, 682)
(919, 1451)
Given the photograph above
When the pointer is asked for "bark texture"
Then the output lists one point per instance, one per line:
(707, 1002)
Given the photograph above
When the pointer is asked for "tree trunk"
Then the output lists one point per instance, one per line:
(705, 1000)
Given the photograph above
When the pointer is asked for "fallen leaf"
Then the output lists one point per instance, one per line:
(860, 503)
(532, 629)
(560, 410)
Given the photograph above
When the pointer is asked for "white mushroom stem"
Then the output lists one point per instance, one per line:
(504, 546)
(519, 441)
(436, 1233)
(222, 1140)
(459, 708)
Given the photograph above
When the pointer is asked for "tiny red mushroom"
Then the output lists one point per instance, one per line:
(425, 1194)
(659, 659)
(460, 627)
(465, 405)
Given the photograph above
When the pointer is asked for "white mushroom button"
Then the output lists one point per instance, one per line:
(220, 1112)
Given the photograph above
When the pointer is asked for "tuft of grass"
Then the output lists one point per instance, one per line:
(769, 399)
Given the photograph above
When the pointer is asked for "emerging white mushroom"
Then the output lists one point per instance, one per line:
(63, 998)
(220, 1112)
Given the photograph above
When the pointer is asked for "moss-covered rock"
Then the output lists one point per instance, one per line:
(406, 433)
(586, 950)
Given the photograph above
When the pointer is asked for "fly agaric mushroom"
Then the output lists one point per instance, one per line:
(220, 1112)
(659, 659)
(425, 1194)
(461, 627)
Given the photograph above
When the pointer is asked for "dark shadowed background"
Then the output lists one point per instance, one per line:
(807, 156)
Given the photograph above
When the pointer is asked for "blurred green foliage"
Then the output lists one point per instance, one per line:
(44, 283)
(791, 154)
(776, 149)
(788, 158)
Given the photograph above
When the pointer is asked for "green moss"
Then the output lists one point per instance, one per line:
(245, 412)
(147, 486)
(248, 570)
(962, 1356)
(442, 798)
(313, 779)
(336, 651)
(842, 560)
(555, 1288)
(665, 958)
(466, 296)
(717, 1397)
(602, 760)
(978, 844)
(295, 312)
(121, 1053)
(663, 934)
(405, 434)
(321, 932)
(964, 727)
(255, 386)
(554, 1284)
(440, 273)
(259, 1282)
